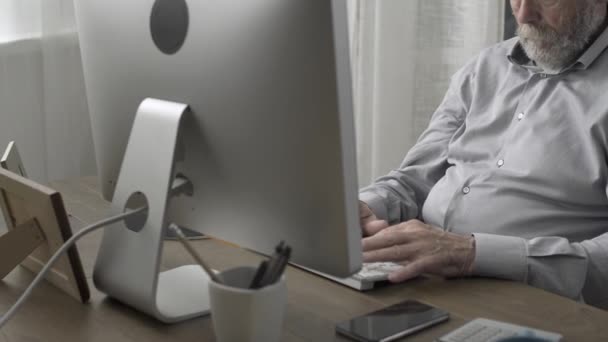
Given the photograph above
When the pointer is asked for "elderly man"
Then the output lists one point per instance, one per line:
(510, 179)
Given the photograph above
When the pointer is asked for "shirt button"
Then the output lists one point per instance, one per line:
(500, 163)
(520, 116)
(466, 190)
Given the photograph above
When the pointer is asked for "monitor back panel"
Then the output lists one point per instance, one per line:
(270, 143)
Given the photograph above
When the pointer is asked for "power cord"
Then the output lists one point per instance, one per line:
(11, 312)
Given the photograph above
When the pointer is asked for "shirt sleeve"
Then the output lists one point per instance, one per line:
(399, 196)
(575, 270)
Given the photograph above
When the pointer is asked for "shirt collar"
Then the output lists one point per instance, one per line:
(518, 56)
(595, 50)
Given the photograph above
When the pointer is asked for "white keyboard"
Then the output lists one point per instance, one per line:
(485, 330)
(366, 278)
(375, 271)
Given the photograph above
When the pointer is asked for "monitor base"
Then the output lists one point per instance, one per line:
(128, 264)
(182, 293)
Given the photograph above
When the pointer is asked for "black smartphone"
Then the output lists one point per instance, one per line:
(392, 322)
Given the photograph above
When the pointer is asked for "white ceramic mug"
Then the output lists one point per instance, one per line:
(241, 314)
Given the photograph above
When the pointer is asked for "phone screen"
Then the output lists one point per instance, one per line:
(392, 322)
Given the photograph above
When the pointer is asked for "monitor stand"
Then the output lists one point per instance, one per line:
(128, 263)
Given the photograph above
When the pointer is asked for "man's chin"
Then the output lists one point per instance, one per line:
(537, 44)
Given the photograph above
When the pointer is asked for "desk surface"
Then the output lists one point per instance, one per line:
(315, 304)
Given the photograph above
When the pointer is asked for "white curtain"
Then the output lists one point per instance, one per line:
(404, 53)
(42, 97)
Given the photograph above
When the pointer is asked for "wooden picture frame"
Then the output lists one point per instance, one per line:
(37, 227)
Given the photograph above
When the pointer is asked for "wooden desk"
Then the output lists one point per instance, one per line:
(315, 304)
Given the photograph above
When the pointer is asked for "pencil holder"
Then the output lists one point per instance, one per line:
(242, 314)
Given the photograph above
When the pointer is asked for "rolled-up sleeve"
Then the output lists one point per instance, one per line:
(575, 270)
(399, 196)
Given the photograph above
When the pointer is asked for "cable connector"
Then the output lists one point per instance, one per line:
(181, 186)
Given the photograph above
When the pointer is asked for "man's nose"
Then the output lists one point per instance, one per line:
(527, 12)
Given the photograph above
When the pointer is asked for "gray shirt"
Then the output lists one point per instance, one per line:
(518, 158)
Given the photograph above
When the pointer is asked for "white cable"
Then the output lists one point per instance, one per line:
(11, 312)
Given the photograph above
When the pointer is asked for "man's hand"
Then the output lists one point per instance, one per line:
(370, 224)
(421, 248)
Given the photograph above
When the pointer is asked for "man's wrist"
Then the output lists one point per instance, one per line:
(469, 261)
(375, 203)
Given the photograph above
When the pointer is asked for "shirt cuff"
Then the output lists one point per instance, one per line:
(499, 256)
(595, 251)
(375, 203)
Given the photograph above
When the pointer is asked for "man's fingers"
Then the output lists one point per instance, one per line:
(373, 227)
(388, 238)
(411, 270)
(398, 253)
(364, 210)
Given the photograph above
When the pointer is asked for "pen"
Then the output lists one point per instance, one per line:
(195, 255)
(272, 265)
(278, 263)
(282, 264)
(255, 283)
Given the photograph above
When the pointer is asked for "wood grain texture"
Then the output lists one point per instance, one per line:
(315, 304)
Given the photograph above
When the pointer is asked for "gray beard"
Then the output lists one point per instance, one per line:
(553, 51)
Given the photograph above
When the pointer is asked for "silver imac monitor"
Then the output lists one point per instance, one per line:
(268, 143)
